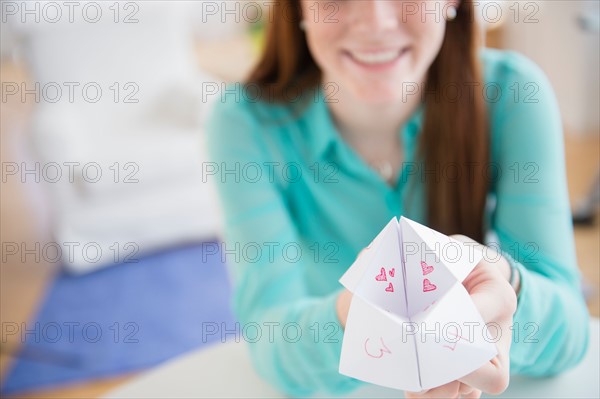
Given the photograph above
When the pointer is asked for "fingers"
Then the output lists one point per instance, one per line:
(465, 389)
(462, 238)
(475, 394)
(449, 390)
(467, 392)
(496, 301)
(454, 389)
(491, 378)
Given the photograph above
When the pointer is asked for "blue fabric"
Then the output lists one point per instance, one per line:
(165, 298)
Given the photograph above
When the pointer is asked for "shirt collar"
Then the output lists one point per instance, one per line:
(323, 134)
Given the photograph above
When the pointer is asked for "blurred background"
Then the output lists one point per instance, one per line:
(109, 227)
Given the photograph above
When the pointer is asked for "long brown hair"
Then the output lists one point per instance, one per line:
(455, 136)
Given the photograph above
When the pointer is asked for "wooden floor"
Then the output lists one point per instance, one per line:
(22, 285)
(583, 163)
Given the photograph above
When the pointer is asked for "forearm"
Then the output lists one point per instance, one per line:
(551, 326)
(301, 357)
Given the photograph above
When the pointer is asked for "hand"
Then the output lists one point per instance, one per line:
(343, 301)
(496, 301)
(454, 389)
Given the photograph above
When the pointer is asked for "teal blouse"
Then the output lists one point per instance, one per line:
(299, 204)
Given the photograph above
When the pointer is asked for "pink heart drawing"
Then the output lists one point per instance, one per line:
(390, 288)
(381, 276)
(426, 268)
(427, 286)
(392, 272)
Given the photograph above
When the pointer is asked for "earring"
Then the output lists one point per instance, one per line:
(302, 25)
(450, 13)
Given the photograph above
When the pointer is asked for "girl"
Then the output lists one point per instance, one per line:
(359, 111)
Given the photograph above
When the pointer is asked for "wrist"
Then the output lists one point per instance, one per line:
(505, 268)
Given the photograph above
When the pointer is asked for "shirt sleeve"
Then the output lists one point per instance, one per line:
(299, 341)
(532, 221)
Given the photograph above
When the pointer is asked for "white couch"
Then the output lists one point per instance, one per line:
(156, 141)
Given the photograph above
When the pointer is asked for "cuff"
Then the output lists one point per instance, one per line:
(515, 268)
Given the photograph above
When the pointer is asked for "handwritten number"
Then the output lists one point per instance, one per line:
(383, 349)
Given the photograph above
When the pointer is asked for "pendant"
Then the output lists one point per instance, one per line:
(385, 170)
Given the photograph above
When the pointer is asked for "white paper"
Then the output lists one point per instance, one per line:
(376, 350)
(354, 274)
(412, 325)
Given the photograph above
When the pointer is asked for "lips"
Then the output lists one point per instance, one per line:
(377, 57)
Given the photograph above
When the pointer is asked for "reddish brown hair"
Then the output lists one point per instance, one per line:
(454, 136)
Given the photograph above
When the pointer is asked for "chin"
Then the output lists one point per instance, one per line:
(379, 95)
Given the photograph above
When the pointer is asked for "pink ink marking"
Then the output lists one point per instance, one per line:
(426, 268)
(428, 286)
(382, 350)
(381, 276)
(392, 272)
(390, 288)
(456, 342)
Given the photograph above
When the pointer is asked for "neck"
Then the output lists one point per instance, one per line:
(358, 121)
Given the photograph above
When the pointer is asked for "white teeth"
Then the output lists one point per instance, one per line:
(376, 58)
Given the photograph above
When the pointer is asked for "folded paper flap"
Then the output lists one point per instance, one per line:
(452, 332)
(357, 270)
(471, 256)
(378, 349)
(459, 258)
(411, 275)
(427, 277)
(383, 282)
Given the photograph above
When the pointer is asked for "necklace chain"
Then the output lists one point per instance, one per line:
(383, 168)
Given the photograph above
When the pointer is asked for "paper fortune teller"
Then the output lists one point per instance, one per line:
(412, 325)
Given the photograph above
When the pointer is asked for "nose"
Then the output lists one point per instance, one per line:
(376, 15)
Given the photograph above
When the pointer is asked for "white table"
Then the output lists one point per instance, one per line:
(225, 370)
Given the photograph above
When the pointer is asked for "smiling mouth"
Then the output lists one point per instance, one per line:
(377, 57)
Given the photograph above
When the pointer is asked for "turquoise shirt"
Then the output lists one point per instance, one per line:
(300, 203)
